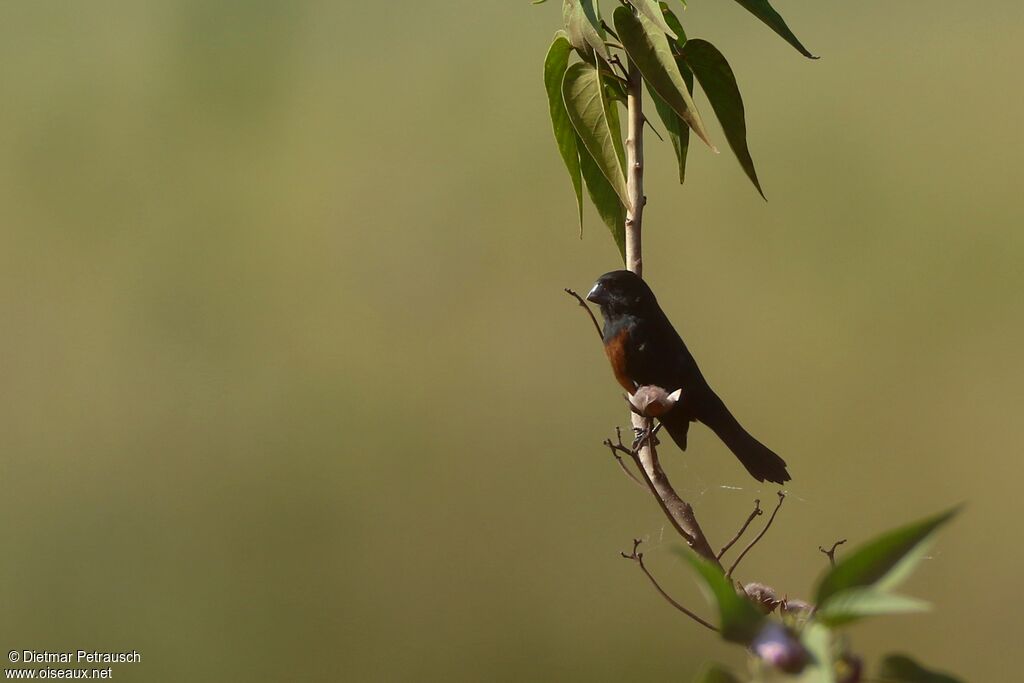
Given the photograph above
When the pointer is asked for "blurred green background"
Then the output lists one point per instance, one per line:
(291, 390)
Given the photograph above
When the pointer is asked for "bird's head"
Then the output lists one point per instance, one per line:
(621, 291)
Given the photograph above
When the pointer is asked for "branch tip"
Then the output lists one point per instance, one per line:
(782, 497)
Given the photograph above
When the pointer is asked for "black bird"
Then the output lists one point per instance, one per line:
(644, 349)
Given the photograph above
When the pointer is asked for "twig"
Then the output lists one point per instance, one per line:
(639, 559)
(615, 61)
(782, 497)
(609, 29)
(586, 308)
(677, 511)
(757, 511)
(831, 552)
(615, 448)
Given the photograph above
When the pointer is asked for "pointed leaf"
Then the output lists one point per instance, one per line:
(719, 84)
(583, 93)
(673, 23)
(716, 673)
(583, 27)
(855, 603)
(740, 621)
(677, 130)
(555, 66)
(649, 49)
(652, 10)
(902, 669)
(766, 13)
(607, 203)
(882, 561)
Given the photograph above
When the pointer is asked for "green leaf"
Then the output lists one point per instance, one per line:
(615, 88)
(818, 641)
(856, 603)
(652, 10)
(673, 22)
(650, 51)
(898, 668)
(882, 562)
(555, 65)
(739, 620)
(615, 125)
(719, 84)
(583, 26)
(766, 13)
(715, 673)
(607, 203)
(585, 101)
(677, 130)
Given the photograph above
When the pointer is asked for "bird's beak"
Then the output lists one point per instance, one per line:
(597, 294)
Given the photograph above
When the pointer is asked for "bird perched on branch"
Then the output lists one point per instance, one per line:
(644, 349)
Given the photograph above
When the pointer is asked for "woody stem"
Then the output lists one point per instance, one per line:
(679, 512)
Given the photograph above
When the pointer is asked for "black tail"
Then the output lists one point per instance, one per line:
(762, 463)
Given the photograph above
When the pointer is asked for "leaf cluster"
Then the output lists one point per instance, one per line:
(584, 96)
(806, 644)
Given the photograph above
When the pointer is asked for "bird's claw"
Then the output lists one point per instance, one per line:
(644, 436)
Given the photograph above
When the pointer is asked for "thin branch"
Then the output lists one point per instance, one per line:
(615, 448)
(639, 559)
(831, 552)
(676, 510)
(615, 61)
(782, 497)
(586, 308)
(757, 511)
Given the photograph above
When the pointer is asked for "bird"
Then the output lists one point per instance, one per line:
(644, 349)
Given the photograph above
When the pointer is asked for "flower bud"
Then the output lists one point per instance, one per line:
(779, 648)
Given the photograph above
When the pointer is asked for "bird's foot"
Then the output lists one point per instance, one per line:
(643, 436)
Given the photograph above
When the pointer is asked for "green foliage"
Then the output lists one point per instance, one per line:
(676, 129)
(555, 66)
(606, 201)
(739, 620)
(882, 562)
(898, 668)
(583, 102)
(807, 645)
(649, 49)
(766, 13)
(818, 641)
(583, 26)
(652, 10)
(855, 603)
(588, 109)
(719, 84)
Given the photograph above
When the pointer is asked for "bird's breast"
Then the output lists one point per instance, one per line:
(616, 350)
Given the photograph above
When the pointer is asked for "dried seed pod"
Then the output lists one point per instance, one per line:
(762, 596)
(652, 401)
